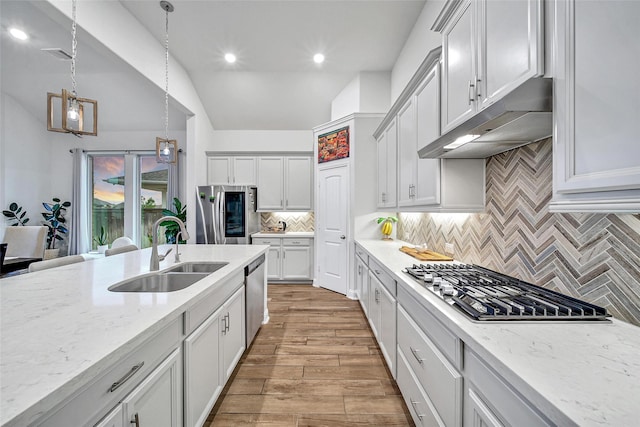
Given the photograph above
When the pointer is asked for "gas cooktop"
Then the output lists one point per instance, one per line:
(486, 295)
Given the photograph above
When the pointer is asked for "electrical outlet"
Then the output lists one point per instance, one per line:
(448, 248)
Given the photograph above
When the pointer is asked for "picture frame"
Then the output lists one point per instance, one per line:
(333, 145)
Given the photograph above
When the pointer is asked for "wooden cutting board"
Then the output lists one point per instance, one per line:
(426, 255)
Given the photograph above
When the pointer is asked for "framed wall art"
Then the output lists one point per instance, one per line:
(333, 145)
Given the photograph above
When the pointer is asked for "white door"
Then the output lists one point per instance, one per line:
(244, 171)
(233, 334)
(295, 262)
(332, 214)
(270, 183)
(298, 192)
(218, 170)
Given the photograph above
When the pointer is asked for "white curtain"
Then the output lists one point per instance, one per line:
(80, 237)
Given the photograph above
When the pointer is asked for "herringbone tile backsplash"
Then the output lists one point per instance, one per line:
(595, 257)
(296, 221)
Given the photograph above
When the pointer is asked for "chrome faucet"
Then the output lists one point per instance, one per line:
(154, 264)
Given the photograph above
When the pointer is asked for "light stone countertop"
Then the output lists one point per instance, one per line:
(285, 234)
(61, 327)
(585, 374)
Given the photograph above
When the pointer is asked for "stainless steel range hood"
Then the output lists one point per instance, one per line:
(521, 117)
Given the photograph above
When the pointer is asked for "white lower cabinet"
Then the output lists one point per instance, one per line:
(289, 258)
(478, 413)
(362, 282)
(114, 419)
(211, 353)
(157, 401)
(382, 317)
(420, 407)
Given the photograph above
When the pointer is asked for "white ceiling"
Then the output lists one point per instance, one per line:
(273, 85)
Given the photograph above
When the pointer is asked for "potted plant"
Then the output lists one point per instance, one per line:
(101, 241)
(16, 214)
(387, 226)
(171, 229)
(55, 220)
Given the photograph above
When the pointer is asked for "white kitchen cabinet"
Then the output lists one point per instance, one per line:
(285, 183)
(157, 401)
(489, 47)
(387, 166)
(289, 259)
(382, 318)
(362, 279)
(478, 412)
(298, 187)
(211, 353)
(596, 154)
(231, 170)
(113, 419)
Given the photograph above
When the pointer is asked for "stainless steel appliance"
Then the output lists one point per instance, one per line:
(484, 295)
(254, 294)
(226, 214)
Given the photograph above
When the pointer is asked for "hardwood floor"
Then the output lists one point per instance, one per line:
(315, 364)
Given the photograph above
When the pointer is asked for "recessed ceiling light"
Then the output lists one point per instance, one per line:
(17, 33)
(318, 58)
(230, 58)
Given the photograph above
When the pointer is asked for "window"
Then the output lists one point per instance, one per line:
(128, 193)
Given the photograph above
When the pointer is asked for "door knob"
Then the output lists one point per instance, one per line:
(343, 237)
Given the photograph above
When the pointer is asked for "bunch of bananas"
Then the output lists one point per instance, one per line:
(387, 225)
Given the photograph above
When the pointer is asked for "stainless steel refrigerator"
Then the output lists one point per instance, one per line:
(226, 214)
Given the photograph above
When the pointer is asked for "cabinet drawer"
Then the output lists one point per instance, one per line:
(420, 407)
(92, 402)
(449, 344)
(382, 275)
(441, 381)
(503, 400)
(296, 242)
(362, 254)
(272, 241)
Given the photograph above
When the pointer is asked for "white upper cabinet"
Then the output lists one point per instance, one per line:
(231, 170)
(596, 153)
(387, 158)
(270, 183)
(489, 47)
(298, 186)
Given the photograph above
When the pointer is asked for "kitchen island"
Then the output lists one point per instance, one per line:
(62, 328)
(565, 373)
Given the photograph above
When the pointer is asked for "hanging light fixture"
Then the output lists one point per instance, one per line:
(166, 149)
(73, 110)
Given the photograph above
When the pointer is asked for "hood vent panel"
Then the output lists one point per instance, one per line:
(519, 118)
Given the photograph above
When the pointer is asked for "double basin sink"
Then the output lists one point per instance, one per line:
(173, 279)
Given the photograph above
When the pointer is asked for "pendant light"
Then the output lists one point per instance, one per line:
(73, 109)
(166, 149)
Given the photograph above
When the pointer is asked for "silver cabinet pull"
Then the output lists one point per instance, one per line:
(343, 237)
(136, 420)
(470, 94)
(478, 94)
(414, 403)
(378, 272)
(126, 377)
(224, 325)
(416, 355)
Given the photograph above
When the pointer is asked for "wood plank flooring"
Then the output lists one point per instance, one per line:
(315, 364)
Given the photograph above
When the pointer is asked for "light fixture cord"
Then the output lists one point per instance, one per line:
(74, 48)
(166, 77)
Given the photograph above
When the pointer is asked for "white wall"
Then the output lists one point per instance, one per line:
(347, 101)
(420, 42)
(260, 140)
(368, 92)
(146, 55)
(25, 153)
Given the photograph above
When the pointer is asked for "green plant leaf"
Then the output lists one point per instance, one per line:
(8, 214)
(66, 204)
(55, 199)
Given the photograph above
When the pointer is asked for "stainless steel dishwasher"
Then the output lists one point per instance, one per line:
(254, 294)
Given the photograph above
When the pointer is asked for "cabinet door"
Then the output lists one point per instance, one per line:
(270, 183)
(511, 46)
(596, 107)
(218, 170)
(233, 333)
(362, 283)
(407, 153)
(458, 72)
(202, 374)
(296, 262)
(298, 188)
(273, 263)
(387, 158)
(387, 328)
(114, 419)
(427, 112)
(477, 412)
(157, 401)
(374, 304)
(244, 171)
(381, 157)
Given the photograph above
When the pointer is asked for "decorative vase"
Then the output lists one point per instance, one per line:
(387, 229)
(102, 248)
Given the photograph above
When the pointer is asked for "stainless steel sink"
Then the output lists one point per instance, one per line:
(158, 282)
(197, 267)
